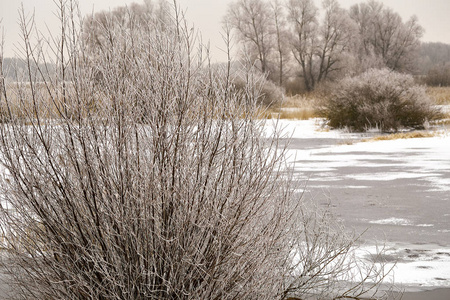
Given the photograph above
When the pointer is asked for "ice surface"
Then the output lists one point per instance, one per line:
(423, 161)
(415, 265)
(426, 156)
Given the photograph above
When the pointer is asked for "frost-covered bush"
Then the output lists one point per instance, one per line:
(172, 190)
(378, 99)
(269, 94)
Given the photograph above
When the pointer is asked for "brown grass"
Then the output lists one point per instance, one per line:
(439, 95)
(21, 105)
(20, 102)
(402, 135)
(299, 107)
(300, 114)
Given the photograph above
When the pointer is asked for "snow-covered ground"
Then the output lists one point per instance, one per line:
(397, 189)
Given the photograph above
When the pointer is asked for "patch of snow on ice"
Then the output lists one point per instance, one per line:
(438, 184)
(386, 176)
(392, 221)
(416, 265)
(356, 187)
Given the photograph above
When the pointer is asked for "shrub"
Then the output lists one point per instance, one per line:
(378, 99)
(189, 200)
(268, 93)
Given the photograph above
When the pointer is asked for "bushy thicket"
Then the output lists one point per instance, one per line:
(380, 99)
(268, 94)
(169, 188)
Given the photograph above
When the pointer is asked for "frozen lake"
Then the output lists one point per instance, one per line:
(397, 190)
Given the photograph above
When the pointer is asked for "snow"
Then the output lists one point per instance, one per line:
(392, 221)
(426, 161)
(424, 266)
(430, 154)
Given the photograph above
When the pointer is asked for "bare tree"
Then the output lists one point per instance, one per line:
(181, 196)
(337, 38)
(99, 28)
(303, 22)
(319, 49)
(281, 35)
(252, 21)
(384, 33)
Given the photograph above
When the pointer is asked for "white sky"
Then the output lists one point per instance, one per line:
(207, 15)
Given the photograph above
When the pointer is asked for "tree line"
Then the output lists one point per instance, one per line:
(291, 39)
(295, 38)
(435, 64)
(296, 44)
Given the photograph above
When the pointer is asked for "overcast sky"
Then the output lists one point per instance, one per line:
(434, 16)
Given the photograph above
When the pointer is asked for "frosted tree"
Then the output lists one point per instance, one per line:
(384, 34)
(281, 38)
(254, 26)
(319, 47)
